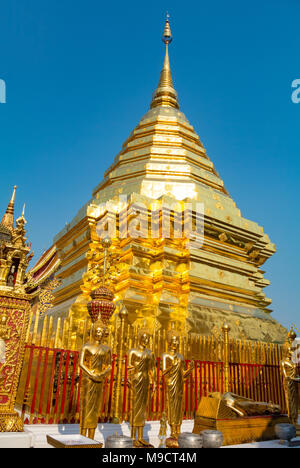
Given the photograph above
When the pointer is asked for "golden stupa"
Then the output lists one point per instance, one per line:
(161, 167)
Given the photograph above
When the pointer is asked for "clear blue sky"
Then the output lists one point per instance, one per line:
(80, 75)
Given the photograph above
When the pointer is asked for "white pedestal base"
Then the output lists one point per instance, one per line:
(16, 439)
(151, 431)
(38, 432)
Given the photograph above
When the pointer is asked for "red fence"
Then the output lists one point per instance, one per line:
(258, 382)
(49, 390)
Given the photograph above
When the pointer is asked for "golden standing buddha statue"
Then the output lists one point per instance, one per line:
(141, 368)
(95, 362)
(290, 381)
(175, 375)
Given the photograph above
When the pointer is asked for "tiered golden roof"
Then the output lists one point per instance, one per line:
(163, 155)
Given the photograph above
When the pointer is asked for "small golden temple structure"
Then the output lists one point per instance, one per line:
(15, 255)
(161, 168)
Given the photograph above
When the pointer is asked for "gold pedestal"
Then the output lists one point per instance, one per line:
(15, 308)
(213, 414)
(171, 442)
(11, 422)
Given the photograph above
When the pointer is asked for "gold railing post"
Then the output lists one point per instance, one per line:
(226, 357)
(117, 419)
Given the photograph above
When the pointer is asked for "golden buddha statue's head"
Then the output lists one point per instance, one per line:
(292, 335)
(144, 337)
(99, 331)
(173, 338)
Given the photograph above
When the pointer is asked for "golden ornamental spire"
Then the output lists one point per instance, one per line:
(165, 94)
(8, 218)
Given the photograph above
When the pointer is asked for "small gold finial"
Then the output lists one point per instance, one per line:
(106, 244)
(292, 335)
(226, 326)
(22, 219)
(8, 218)
(123, 313)
(167, 35)
(165, 94)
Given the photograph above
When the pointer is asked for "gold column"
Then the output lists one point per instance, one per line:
(123, 314)
(56, 342)
(226, 357)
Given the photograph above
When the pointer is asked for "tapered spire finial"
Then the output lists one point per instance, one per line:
(167, 35)
(8, 218)
(165, 94)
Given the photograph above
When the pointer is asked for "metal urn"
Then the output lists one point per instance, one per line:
(190, 440)
(285, 432)
(212, 439)
(118, 441)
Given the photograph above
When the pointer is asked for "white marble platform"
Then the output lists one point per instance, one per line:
(16, 439)
(40, 431)
(35, 435)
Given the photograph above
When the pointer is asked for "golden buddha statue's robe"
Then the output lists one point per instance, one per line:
(290, 385)
(96, 359)
(142, 365)
(174, 381)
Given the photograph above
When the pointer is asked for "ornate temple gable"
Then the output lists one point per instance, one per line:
(15, 252)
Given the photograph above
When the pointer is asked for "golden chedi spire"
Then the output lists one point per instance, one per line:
(8, 218)
(165, 94)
